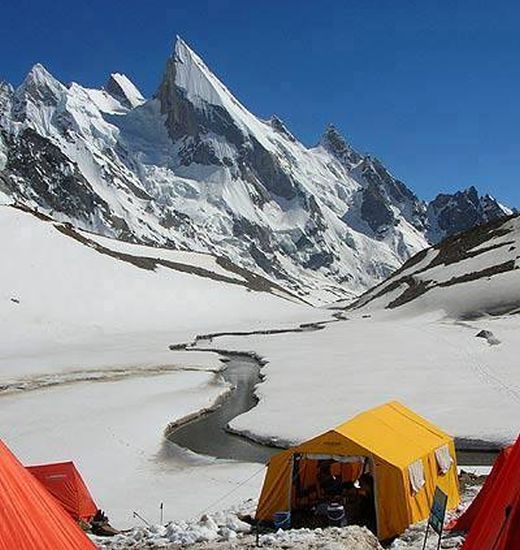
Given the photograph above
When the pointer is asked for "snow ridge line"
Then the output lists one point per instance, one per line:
(252, 281)
(456, 249)
(237, 275)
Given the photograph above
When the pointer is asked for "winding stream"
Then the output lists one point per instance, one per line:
(208, 433)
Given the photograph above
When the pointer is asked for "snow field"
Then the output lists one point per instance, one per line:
(113, 431)
(438, 368)
(65, 306)
(88, 375)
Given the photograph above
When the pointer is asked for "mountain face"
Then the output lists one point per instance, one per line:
(450, 214)
(193, 169)
(123, 90)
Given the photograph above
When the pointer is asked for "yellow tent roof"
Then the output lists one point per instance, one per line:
(386, 429)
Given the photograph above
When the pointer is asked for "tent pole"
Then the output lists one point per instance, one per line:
(289, 495)
(374, 495)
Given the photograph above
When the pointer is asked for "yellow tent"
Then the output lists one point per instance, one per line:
(406, 456)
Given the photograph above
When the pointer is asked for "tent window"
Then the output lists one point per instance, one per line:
(444, 460)
(416, 473)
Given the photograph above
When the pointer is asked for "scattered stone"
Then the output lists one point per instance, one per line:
(209, 535)
(181, 346)
(492, 340)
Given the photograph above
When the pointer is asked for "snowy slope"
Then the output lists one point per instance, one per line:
(86, 373)
(70, 303)
(468, 275)
(193, 169)
(86, 322)
(440, 335)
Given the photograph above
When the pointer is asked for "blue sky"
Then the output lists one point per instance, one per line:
(431, 88)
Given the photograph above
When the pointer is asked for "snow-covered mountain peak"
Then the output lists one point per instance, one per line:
(211, 127)
(454, 213)
(39, 73)
(189, 72)
(40, 85)
(193, 169)
(183, 52)
(6, 88)
(336, 144)
(492, 207)
(279, 125)
(35, 101)
(124, 90)
(187, 79)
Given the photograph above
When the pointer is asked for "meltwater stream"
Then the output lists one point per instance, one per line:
(208, 434)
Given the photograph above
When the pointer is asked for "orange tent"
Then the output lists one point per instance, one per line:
(65, 484)
(493, 518)
(30, 518)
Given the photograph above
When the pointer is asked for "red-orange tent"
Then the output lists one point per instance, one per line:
(64, 482)
(30, 518)
(465, 521)
(492, 521)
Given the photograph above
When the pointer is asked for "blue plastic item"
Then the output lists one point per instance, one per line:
(282, 520)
